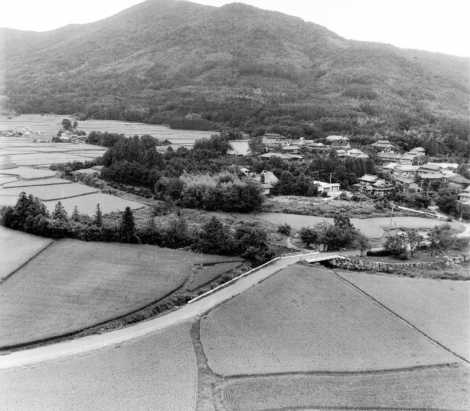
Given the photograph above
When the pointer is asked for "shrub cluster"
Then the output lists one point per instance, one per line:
(225, 192)
(332, 237)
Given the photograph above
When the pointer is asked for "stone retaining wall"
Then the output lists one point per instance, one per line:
(363, 264)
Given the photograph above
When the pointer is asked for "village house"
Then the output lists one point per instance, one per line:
(282, 156)
(331, 189)
(356, 153)
(416, 156)
(274, 140)
(388, 157)
(405, 171)
(239, 148)
(338, 142)
(383, 146)
(374, 186)
(268, 180)
(291, 148)
(458, 182)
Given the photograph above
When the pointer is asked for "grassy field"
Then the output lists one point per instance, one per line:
(16, 248)
(155, 373)
(73, 285)
(439, 388)
(371, 227)
(441, 308)
(307, 319)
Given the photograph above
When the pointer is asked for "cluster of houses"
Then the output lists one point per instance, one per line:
(407, 172)
(279, 146)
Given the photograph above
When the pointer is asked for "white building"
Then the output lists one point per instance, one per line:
(332, 189)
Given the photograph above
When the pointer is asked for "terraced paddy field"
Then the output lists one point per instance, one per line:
(309, 320)
(74, 285)
(440, 308)
(16, 248)
(155, 373)
(51, 192)
(44, 184)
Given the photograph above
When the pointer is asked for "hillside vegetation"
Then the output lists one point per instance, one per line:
(235, 65)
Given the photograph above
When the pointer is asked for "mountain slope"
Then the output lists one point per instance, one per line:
(162, 59)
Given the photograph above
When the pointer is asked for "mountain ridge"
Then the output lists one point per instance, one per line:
(234, 65)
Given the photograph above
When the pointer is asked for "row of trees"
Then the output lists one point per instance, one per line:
(30, 215)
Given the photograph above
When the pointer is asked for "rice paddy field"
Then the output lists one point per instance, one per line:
(73, 285)
(440, 308)
(86, 204)
(48, 125)
(51, 191)
(446, 388)
(16, 248)
(155, 373)
(306, 319)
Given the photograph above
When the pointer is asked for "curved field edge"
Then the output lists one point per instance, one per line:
(307, 319)
(73, 297)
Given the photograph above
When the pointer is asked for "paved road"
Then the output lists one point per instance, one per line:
(140, 330)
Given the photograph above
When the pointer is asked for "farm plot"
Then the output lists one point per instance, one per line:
(73, 285)
(5, 180)
(86, 204)
(36, 159)
(16, 248)
(52, 192)
(8, 201)
(28, 173)
(440, 308)
(39, 182)
(156, 372)
(435, 388)
(307, 319)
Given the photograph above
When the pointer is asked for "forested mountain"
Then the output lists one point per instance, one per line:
(234, 65)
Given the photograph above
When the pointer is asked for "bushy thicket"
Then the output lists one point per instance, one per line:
(341, 234)
(225, 192)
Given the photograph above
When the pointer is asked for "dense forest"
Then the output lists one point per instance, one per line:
(199, 67)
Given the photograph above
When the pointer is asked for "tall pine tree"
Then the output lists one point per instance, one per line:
(127, 228)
